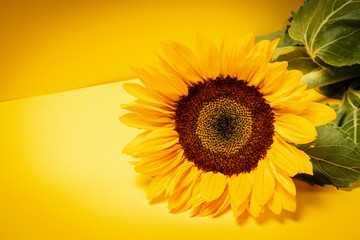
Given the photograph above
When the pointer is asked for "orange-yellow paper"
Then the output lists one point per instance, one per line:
(50, 46)
(62, 174)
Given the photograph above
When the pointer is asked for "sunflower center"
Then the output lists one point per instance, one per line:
(224, 126)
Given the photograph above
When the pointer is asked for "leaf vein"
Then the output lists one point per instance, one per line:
(350, 102)
(354, 92)
(323, 23)
(355, 126)
(330, 146)
(329, 154)
(335, 40)
(337, 165)
(307, 28)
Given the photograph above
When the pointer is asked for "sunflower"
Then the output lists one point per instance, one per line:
(220, 125)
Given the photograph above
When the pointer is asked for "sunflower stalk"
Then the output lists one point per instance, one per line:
(323, 41)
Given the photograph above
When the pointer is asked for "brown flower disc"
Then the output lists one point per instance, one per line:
(224, 126)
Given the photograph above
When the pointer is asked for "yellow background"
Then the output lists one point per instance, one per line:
(62, 174)
(55, 45)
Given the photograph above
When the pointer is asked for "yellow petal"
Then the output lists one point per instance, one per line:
(274, 203)
(232, 64)
(318, 113)
(272, 48)
(214, 208)
(247, 43)
(183, 177)
(288, 201)
(210, 61)
(196, 198)
(167, 85)
(199, 43)
(212, 185)
(257, 77)
(236, 62)
(273, 77)
(155, 154)
(129, 148)
(254, 208)
(295, 129)
(153, 141)
(284, 180)
(164, 66)
(239, 209)
(264, 183)
(196, 210)
(157, 145)
(138, 121)
(287, 87)
(251, 68)
(239, 188)
(163, 154)
(224, 48)
(182, 60)
(262, 46)
(144, 76)
(178, 201)
(147, 95)
(282, 158)
(149, 111)
(224, 207)
(305, 165)
(292, 107)
(155, 165)
(157, 186)
(294, 156)
(287, 183)
(289, 81)
(296, 94)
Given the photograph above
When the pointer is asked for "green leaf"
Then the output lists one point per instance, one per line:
(286, 44)
(341, 113)
(316, 74)
(299, 59)
(349, 113)
(351, 125)
(330, 75)
(352, 95)
(308, 44)
(336, 90)
(318, 179)
(323, 41)
(329, 30)
(285, 39)
(335, 154)
(335, 158)
(350, 102)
